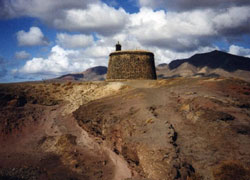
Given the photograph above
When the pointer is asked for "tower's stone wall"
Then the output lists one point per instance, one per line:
(131, 65)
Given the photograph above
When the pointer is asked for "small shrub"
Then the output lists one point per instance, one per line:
(56, 91)
(56, 84)
(69, 83)
(68, 87)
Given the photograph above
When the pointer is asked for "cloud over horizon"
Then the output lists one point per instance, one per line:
(59, 62)
(237, 50)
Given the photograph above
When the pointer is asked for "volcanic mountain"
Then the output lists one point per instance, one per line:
(215, 63)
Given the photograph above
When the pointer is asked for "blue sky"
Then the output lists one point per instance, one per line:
(46, 39)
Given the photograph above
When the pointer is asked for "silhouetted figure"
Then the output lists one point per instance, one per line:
(118, 47)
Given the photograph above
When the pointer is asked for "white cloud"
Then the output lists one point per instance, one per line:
(194, 27)
(33, 37)
(73, 15)
(98, 18)
(238, 50)
(74, 41)
(97, 51)
(22, 55)
(60, 61)
(191, 4)
(187, 31)
(176, 31)
(45, 9)
(232, 21)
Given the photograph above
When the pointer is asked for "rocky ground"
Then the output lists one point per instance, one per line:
(180, 128)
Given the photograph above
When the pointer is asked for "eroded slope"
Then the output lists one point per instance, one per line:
(176, 129)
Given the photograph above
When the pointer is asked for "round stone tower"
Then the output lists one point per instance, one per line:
(132, 64)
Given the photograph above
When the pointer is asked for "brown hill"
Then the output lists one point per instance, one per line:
(179, 128)
(215, 63)
(92, 74)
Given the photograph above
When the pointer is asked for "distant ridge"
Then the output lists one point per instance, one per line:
(215, 59)
(92, 74)
(215, 63)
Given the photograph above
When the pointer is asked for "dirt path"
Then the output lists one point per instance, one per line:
(51, 145)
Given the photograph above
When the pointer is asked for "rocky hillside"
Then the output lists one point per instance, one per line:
(215, 63)
(195, 128)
